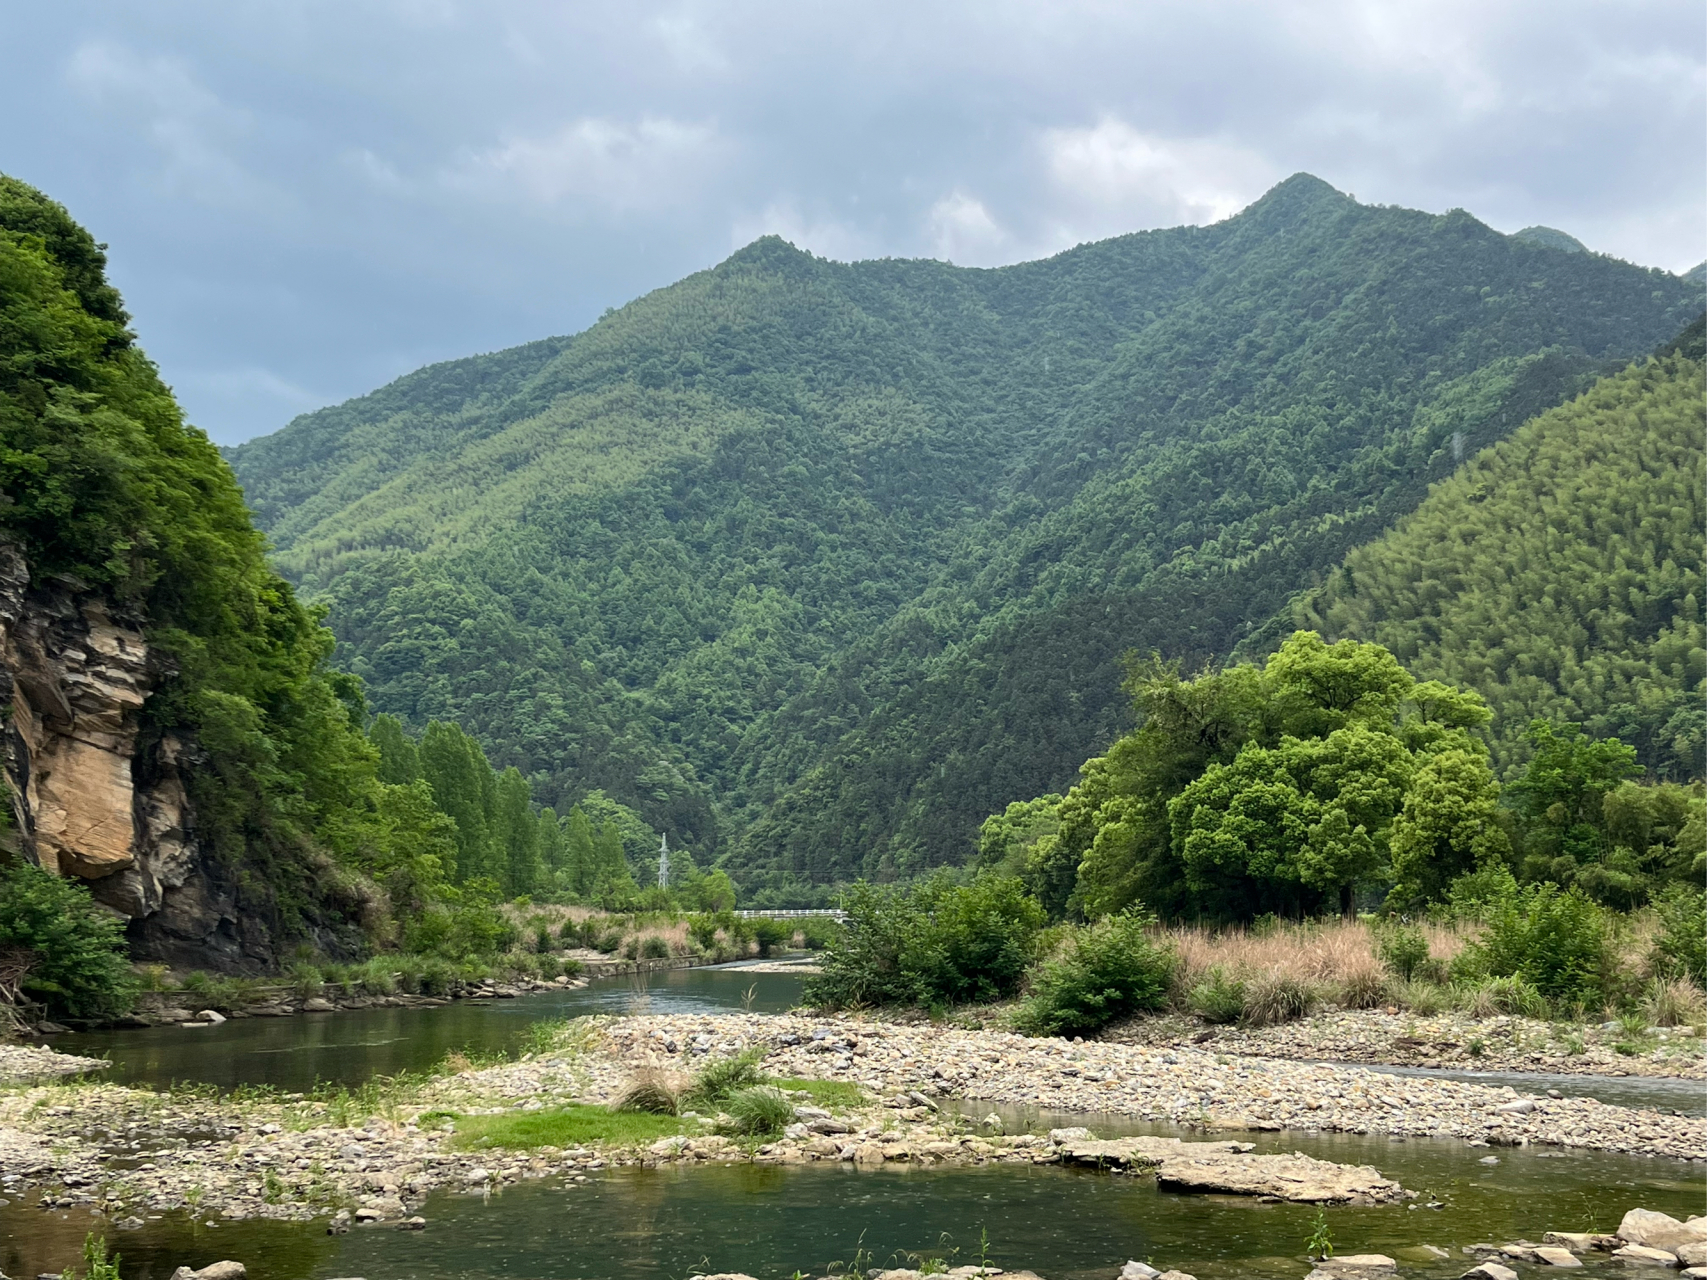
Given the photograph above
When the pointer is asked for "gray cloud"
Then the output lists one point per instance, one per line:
(306, 199)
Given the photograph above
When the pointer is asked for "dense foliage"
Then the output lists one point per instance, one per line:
(1278, 788)
(815, 565)
(1108, 970)
(57, 947)
(327, 832)
(934, 944)
(1560, 573)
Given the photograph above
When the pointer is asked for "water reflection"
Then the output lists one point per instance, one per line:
(347, 1048)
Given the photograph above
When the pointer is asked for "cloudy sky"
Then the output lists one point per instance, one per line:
(304, 199)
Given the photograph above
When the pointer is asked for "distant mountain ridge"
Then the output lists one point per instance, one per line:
(816, 564)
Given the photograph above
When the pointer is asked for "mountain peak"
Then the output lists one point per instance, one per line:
(1550, 238)
(1300, 198)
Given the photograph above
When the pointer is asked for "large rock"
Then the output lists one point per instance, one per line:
(1646, 1253)
(1660, 1230)
(1296, 1177)
(1138, 1152)
(1489, 1271)
(213, 1271)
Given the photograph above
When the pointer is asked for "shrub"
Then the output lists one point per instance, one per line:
(1103, 971)
(608, 941)
(71, 951)
(1672, 1002)
(1364, 988)
(1559, 943)
(934, 944)
(818, 932)
(1273, 998)
(1422, 998)
(1476, 895)
(652, 947)
(718, 1081)
(1403, 950)
(1680, 947)
(1218, 998)
(760, 1111)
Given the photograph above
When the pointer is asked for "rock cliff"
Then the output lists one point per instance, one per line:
(93, 793)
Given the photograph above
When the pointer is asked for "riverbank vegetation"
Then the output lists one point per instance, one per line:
(1253, 799)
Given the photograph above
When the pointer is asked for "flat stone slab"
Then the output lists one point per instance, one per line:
(1296, 1177)
(1138, 1152)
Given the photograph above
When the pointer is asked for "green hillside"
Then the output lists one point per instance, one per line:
(1559, 573)
(816, 564)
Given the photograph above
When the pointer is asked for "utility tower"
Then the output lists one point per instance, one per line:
(663, 862)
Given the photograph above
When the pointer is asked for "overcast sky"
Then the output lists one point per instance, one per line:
(304, 200)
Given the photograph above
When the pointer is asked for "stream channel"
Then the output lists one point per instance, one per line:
(770, 1221)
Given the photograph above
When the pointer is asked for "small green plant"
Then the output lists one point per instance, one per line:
(96, 1264)
(1574, 1045)
(1477, 1047)
(273, 1189)
(1218, 998)
(1321, 1241)
(1273, 998)
(1403, 950)
(761, 1111)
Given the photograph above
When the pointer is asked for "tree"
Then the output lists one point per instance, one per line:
(515, 834)
(399, 758)
(1280, 788)
(455, 768)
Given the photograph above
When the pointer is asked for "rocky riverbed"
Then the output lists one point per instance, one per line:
(375, 1155)
(1451, 1040)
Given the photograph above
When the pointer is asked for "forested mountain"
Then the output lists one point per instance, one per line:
(1559, 573)
(817, 564)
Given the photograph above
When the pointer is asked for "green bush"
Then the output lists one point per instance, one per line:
(1218, 998)
(818, 932)
(652, 947)
(1402, 949)
(1680, 947)
(74, 949)
(1103, 971)
(760, 1111)
(933, 944)
(1559, 943)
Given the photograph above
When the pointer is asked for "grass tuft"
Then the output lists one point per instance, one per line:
(569, 1126)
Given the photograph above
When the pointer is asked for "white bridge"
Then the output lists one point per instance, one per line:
(835, 913)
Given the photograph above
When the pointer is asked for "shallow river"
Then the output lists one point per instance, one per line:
(666, 1224)
(346, 1048)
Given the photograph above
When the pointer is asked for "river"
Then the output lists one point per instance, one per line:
(667, 1223)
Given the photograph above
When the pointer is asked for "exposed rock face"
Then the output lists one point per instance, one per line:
(93, 796)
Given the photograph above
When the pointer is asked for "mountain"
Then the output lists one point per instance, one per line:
(816, 564)
(1559, 572)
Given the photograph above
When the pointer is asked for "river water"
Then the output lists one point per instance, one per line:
(666, 1224)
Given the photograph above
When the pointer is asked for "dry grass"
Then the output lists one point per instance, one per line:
(1286, 970)
(651, 1091)
(1336, 953)
(1674, 1002)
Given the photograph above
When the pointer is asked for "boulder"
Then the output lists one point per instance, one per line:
(317, 1005)
(1077, 1133)
(1138, 1271)
(1693, 1254)
(1296, 1177)
(1354, 1266)
(1582, 1241)
(1489, 1271)
(213, 1271)
(1556, 1256)
(213, 1016)
(1646, 1253)
(1660, 1230)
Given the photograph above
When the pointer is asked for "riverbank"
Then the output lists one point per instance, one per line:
(376, 1153)
(1446, 1040)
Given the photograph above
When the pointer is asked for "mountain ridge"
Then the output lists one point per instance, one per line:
(723, 538)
